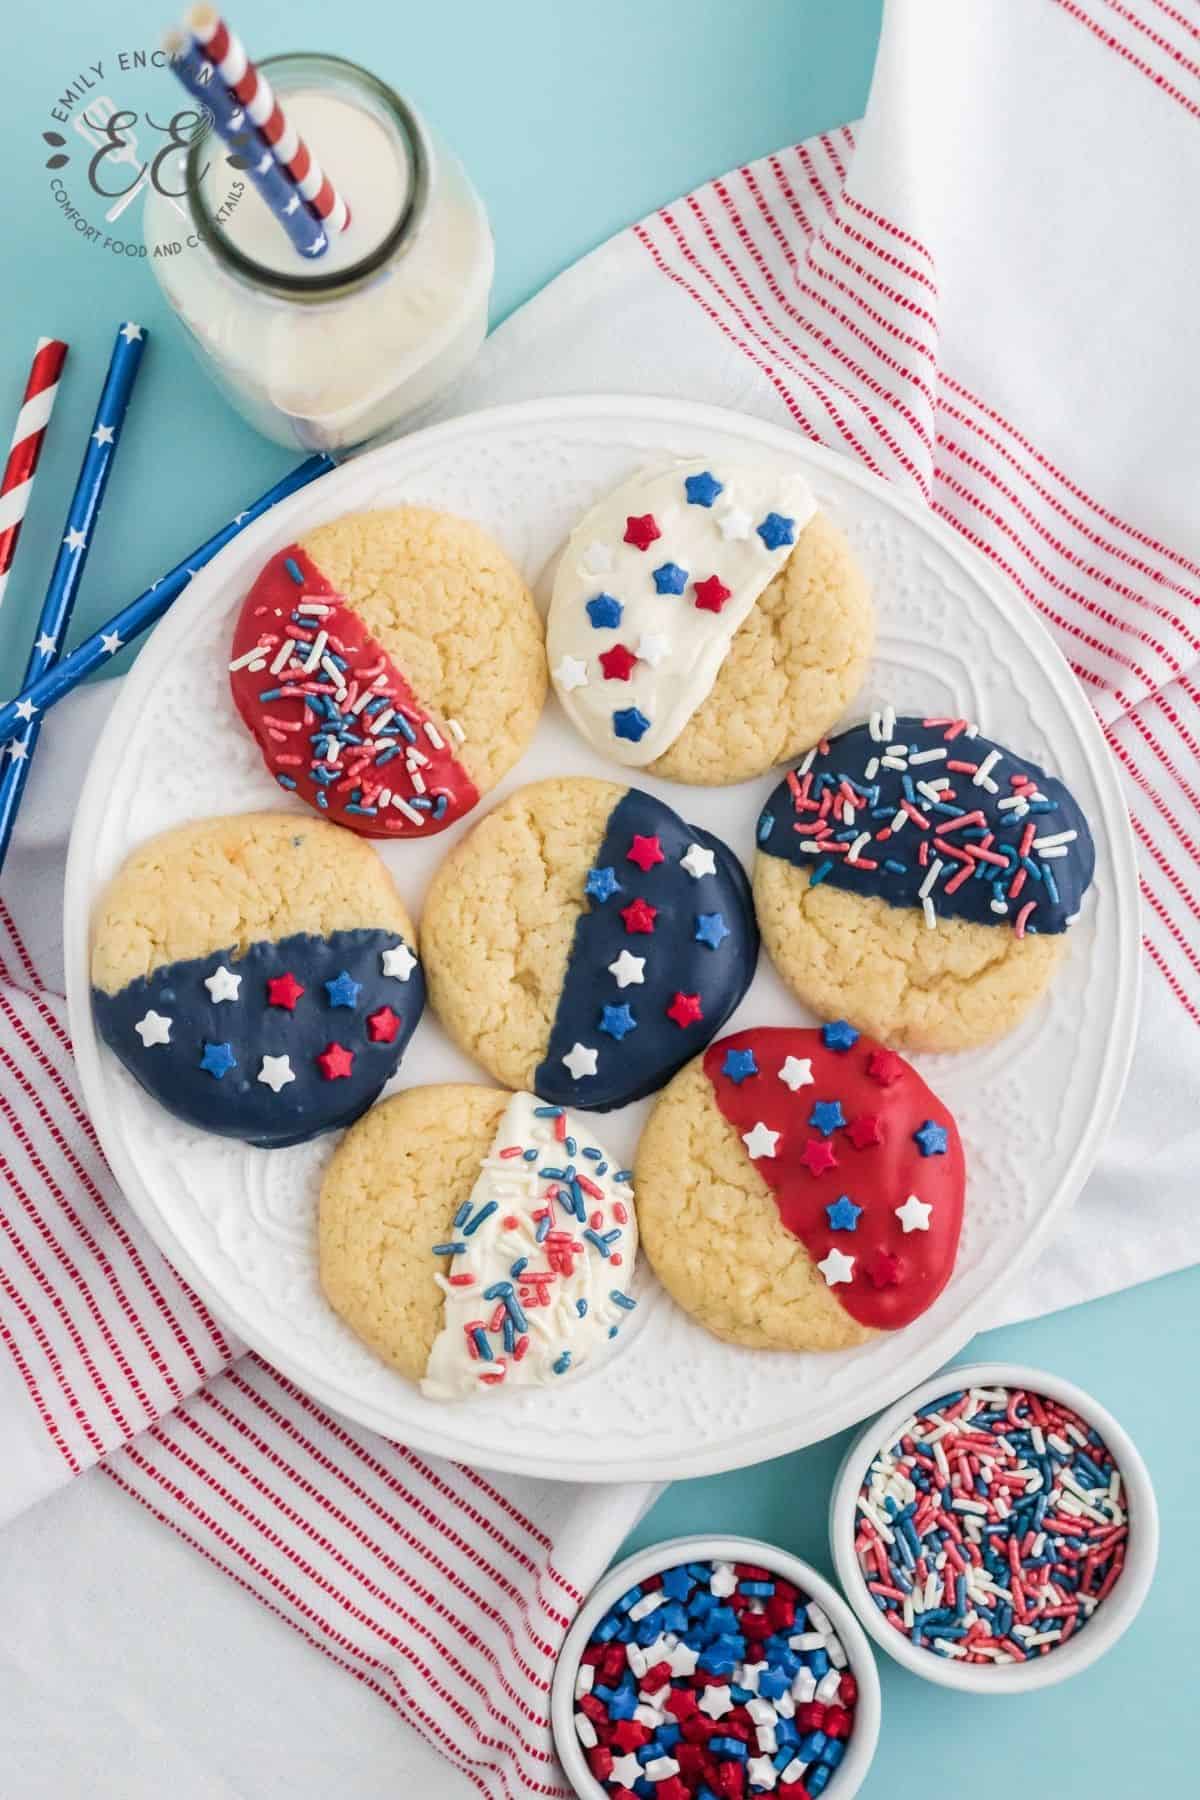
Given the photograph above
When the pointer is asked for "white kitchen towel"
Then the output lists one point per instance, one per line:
(988, 301)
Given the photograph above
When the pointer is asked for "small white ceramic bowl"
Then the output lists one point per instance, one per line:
(851, 1771)
(1111, 1617)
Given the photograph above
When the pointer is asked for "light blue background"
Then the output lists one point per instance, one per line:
(574, 119)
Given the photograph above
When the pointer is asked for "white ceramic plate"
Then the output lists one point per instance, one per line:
(240, 1223)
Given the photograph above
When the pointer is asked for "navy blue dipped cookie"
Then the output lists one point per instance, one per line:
(584, 942)
(257, 975)
(918, 879)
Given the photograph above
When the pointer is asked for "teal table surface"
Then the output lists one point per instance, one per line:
(574, 120)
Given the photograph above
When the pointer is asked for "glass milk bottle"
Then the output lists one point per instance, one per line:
(325, 355)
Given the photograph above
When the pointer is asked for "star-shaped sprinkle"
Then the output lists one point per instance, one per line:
(217, 1060)
(335, 1062)
(398, 962)
(628, 969)
(914, 1214)
(153, 1028)
(826, 1117)
(276, 1072)
(652, 647)
(343, 990)
(866, 1131)
(932, 1139)
(75, 540)
(630, 723)
(711, 929)
(601, 884)
(885, 1067)
(842, 1214)
(641, 531)
(17, 750)
(130, 332)
(110, 642)
(818, 1156)
(885, 1270)
(776, 530)
(102, 435)
(702, 490)
(597, 559)
(604, 612)
(571, 673)
(711, 594)
(796, 1072)
(627, 1769)
(645, 852)
(639, 915)
(698, 861)
(840, 1035)
(837, 1267)
(25, 710)
(669, 578)
(734, 524)
(45, 644)
(616, 1022)
(284, 991)
(760, 1140)
(685, 1009)
(580, 1060)
(382, 1025)
(222, 984)
(264, 162)
(618, 663)
(716, 1702)
(739, 1066)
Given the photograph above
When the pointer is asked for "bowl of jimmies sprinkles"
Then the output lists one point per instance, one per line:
(996, 1530)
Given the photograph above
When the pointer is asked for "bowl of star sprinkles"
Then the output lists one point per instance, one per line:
(996, 1530)
(712, 1668)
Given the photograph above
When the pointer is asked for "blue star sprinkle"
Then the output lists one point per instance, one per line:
(630, 723)
(843, 1215)
(711, 929)
(604, 612)
(343, 991)
(601, 884)
(617, 1021)
(840, 1035)
(826, 1117)
(776, 531)
(739, 1065)
(670, 578)
(702, 490)
(218, 1059)
(932, 1139)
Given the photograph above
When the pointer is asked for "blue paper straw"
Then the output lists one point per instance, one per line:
(36, 697)
(72, 555)
(276, 189)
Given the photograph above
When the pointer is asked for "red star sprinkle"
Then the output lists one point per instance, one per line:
(885, 1067)
(284, 990)
(685, 1010)
(711, 594)
(817, 1156)
(865, 1131)
(885, 1271)
(335, 1061)
(383, 1025)
(645, 852)
(639, 915)
(641, 531)
(618, 663)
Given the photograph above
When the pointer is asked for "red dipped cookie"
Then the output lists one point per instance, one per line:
(391, 668)
(800, 1189)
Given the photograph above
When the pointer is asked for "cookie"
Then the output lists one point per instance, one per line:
(583, 941)
(256, 975)
(919, 878)
(801, 1189)
(707, 622)
(390, 666)
(477, 1240)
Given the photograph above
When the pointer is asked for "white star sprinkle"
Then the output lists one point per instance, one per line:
(571, 673)
(293, 204)
(628, 968)
(276, 1072)
(716, 1702)
(102, 435)
(110, 642)
(130, 332)
(797, 1072)
(626, 1770)
(652, 647)
(698, 861)
(17, 750)
(597, 559)
(317, 245)
(734, 523)
(837, 1268)
(75, 540)
(398, 961)
(238, 517)
(760, 1141)
(914, 1214)
(25, 710)
(222, 984)
(45, 645)
(580, 1061)
(153, 1028)
(264, 162)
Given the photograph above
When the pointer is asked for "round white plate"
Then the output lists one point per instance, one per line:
(239, 1223)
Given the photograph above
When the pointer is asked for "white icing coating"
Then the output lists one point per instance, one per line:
(679, 646)
(547, 1297)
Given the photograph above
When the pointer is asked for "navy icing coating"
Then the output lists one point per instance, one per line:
(237, 1104)
(633, 1062)
(1030, 822)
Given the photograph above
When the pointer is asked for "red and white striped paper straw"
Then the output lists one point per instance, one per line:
(41, 390)
(225, 50)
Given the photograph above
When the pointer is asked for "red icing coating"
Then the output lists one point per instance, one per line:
(380, 762)
(897, 1274)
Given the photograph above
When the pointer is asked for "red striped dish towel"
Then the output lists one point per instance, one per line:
(985, 294)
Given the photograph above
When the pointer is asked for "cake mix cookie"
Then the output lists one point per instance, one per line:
(257, 975)
(707, 622)
(477, 1240)
(802, 1189)
(918, 877)
(391, 668)
(584, 941)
